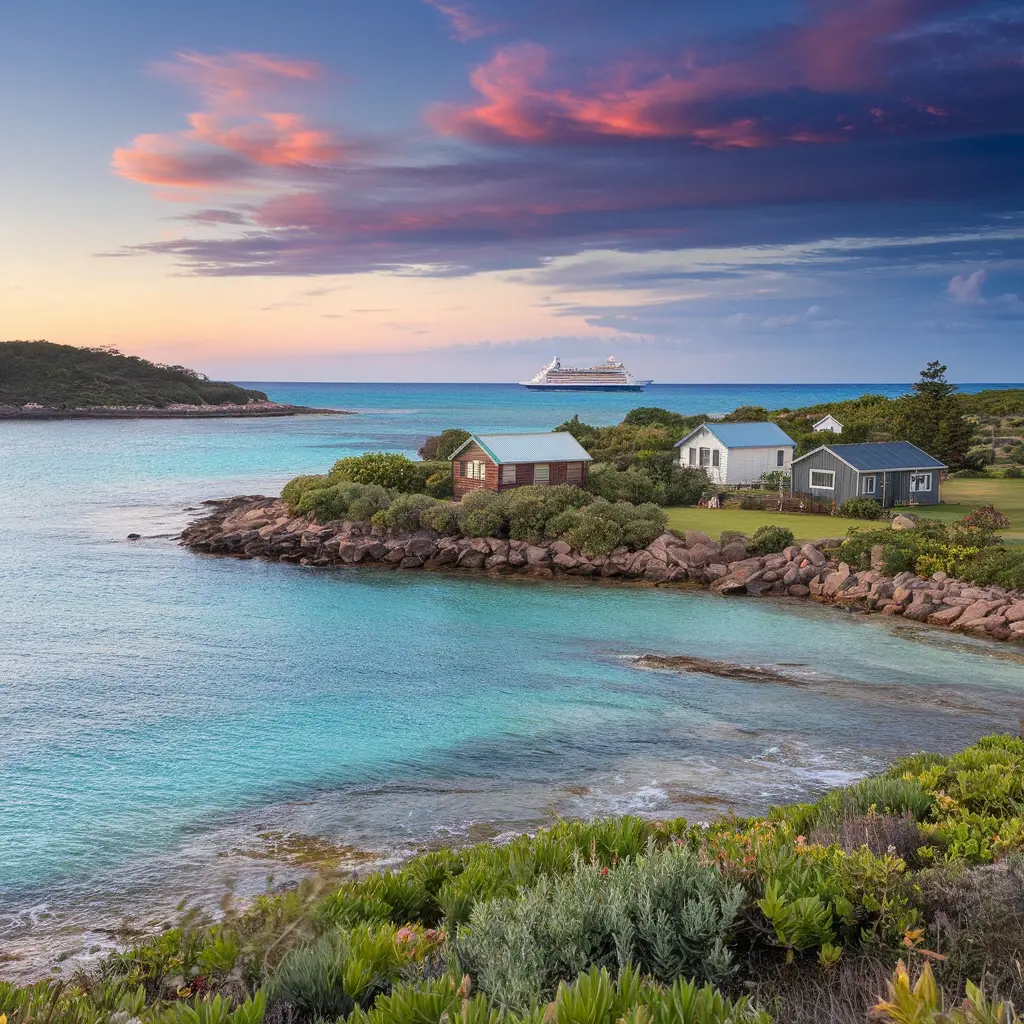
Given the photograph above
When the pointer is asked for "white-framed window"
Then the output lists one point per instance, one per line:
(716, 457)
(541, 473)
(476, 470)
(780, 457)
(574, 472)
(920, 482)
(693, 456)
(705, 456)
(508, 474)
(868, 484)
(823, 479)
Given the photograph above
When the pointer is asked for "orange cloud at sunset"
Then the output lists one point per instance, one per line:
(231, 142)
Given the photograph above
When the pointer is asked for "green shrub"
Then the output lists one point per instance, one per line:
(441, 447)
(602, 526)
(684, 485)
(441, 518)
(632, 484)
(440, 484)
(365, 502)
(528, 510)
(1013, 472)
(768, 540)
(481, 514)
(338, 972)
(386, 469)
(752, 502)
(665, 912)
(403, 515)
(292, 491)
(987, 517)
(861, 508)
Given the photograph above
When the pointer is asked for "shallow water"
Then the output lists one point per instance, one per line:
(163, 712)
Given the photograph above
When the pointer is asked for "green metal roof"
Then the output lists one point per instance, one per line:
(556, 446)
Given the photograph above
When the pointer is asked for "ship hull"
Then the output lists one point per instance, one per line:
(636, 386)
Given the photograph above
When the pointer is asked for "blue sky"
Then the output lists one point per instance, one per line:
(446, 190)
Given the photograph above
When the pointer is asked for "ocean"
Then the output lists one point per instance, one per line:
(168, 717)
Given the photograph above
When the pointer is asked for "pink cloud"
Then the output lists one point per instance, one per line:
(465, 25)
(235, 140)
(840, 50)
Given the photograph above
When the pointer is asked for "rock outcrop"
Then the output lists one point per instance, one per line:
(259, 527)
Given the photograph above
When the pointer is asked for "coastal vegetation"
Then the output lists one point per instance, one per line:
(66, 377)
(901, 895)
(967, 432)
(969, 549)
(587, 522)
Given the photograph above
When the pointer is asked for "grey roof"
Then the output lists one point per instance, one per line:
(557, 446)
(745, 435)
(880, 455)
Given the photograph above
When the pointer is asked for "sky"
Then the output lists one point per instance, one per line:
(779, 190)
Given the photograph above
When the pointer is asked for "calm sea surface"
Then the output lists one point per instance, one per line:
(165, 715)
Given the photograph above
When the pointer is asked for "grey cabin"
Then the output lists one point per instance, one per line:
(890, 472)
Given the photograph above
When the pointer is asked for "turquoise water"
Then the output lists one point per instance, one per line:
(163, 712)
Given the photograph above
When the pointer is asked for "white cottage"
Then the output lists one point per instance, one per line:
(737, 453)
(828, 422)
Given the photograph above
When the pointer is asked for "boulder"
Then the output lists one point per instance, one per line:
(729, 585)
(656, 571)
(734, 551)
(472, 559)
(976, 612)
(496, 562)
(715, 571)
(420, 546)
(813, 555)
(697, 537)
(797, 590)
(537, 555)
(1017, 628)
(559, 547)
(791, 552)
(919, 611)
(564, 560)
(1015, 613)
(945, 616)
(903, 523)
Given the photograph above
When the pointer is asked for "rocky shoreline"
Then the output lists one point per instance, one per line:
(259, 527)
(169, 412)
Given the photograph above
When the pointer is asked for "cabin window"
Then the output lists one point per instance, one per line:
(920, 482)
(868, 485)
(823, 479)
(477, 470)
(541, 473)
(705, 456)
(574, 472)
(780, 457)
(508, 474)
(716, 456)
(693, 456)
(462, 469)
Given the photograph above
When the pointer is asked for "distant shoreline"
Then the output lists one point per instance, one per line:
(173, 412)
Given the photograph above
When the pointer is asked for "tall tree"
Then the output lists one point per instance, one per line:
(931, 418)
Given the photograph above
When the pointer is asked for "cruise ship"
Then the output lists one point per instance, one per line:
(609, 376)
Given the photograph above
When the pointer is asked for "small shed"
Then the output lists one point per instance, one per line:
(828, 422)
(499, 462)
(737, 453)
(891, 472)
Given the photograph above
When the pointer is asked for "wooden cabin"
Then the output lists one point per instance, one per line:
(890, 472)
(737, 453)
(500, 462)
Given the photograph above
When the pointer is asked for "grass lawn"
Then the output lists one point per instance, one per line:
(961, 496)
(714, 521)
